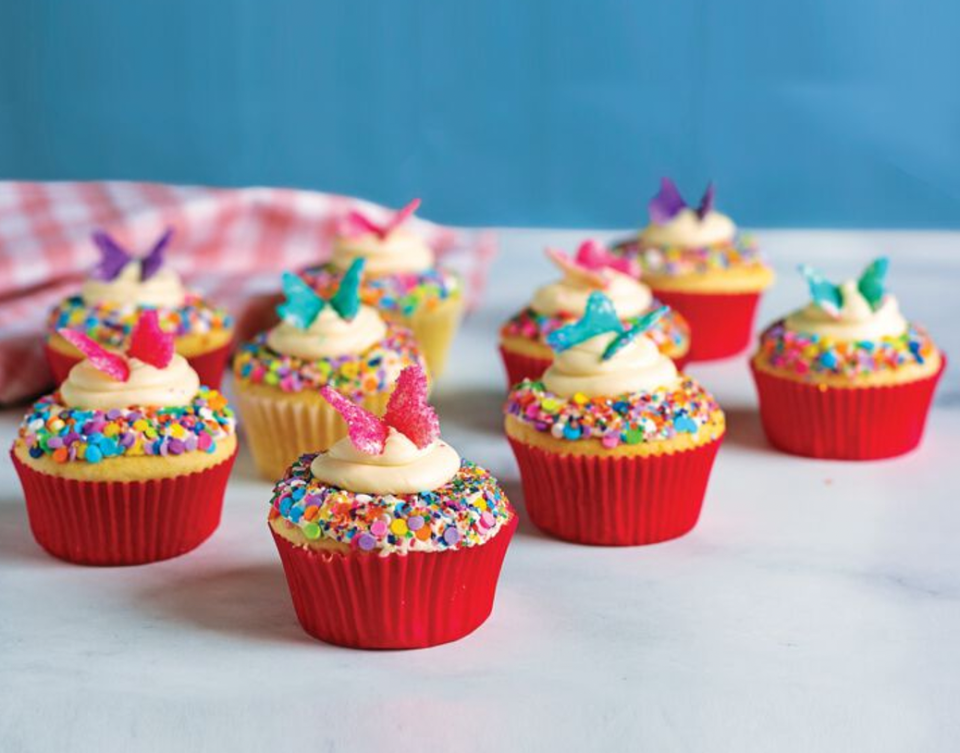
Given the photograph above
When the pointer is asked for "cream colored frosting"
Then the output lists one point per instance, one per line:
(88, 388)
(630, 297)
(687, 230)
(401, 251)
(638, 367)
(163, 289)
(856, 320)
(329, 336)
(402, 467)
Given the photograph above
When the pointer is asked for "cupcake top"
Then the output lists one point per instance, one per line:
(392, 485)
(593, 268)
(851, 330)
(121, 285)
(682, 240)
(148, 401)
(337, 342)
(402, 270)
(611, 384)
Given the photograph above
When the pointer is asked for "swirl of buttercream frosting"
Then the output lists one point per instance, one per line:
(638, 367)
(127, 289)
(856, 319)
(88, 388)
(329, 336)
(400, 251)
(688, 230)
(402, 467)
(569, 295)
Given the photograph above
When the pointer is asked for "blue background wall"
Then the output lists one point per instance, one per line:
(523, 112)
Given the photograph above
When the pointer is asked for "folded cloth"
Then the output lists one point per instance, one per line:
(230, 244)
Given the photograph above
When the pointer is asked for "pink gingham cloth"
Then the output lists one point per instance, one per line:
(230, 244)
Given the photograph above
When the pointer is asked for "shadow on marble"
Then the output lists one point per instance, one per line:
(745, 430)
(248, 601)
(477, 408)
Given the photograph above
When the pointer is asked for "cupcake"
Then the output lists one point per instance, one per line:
(523, 339)
(390, 539)
(696, 261)
(403, 281)
(339, 343)
(846, 376)
(119, 289)
(614, 445)
(127, 461)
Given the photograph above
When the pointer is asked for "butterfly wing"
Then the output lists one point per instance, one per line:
(302, 305)
(667, 203)
(706, 203)
(367, 432)
(408, 410)
(599, 318)
(149, 343)
(591, 278)
(356, 223)
(112, 364)
(151, 263)
(113, 257)
(871, 283)
(625, 338)
(400, 217)
(824, 293)
(346, 301)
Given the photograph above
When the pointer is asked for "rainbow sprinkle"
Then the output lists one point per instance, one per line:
(403, 293)
(742, 251)
(467, 511)
(806, 354)
(111, 325)
(71, 434)
(671, 333)
(372, 371)
(625, 419)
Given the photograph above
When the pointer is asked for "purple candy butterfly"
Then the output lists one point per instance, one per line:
(668, 203)
(114, 257)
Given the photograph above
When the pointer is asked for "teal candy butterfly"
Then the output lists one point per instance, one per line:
(599, 318)
(830, 297)
(627, 337)
(302, 305)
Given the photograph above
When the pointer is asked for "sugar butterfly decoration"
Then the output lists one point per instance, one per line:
(408, 412)
(601, 318)
(114, 257)
(668, 203)
(356, 223)
(302, 304)
(590, 262)
(829, 297)
(148, 343)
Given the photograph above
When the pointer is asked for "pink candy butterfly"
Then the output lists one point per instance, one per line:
(355, 223)
(148, 343)
(408, 412)
(591, 262)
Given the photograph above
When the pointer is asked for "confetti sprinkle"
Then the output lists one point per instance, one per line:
(466, 511)
(810, 355)
(741, 252)
(71, 434)
(403, 293)
(623, 419)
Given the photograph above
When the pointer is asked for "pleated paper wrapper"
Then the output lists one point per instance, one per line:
(398, 601)
(209, 366)
(123, 522)
(721, 324)
(840, 423)
(615, 501)
(434, 331)
(278, 430)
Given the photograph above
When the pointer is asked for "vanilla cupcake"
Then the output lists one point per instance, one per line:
(119, 289)
(390, 539)
(846, 376)
(695, 260)
(523, 339)
(402, 281)
(614, 446)
(128, 461)
(319, 343)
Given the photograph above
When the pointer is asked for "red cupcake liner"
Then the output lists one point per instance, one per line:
(399, 601)
(858, 423)
(209, 366)
(615, 501)
(123, 522)
(520, 367)
(721, 324)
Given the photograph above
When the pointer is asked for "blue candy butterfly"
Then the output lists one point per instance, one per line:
(302, 305)
(625, 338)
(830, 297)
(599, 318)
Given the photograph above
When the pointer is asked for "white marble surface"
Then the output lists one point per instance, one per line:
(816, 607)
